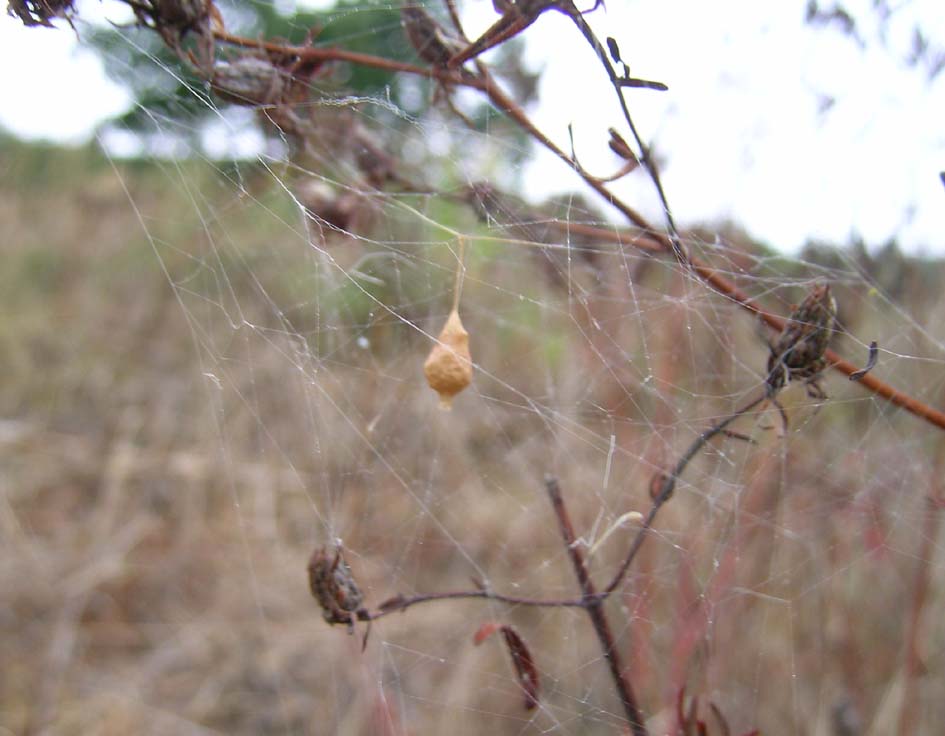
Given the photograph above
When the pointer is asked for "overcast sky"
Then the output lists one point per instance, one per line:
(793, 131)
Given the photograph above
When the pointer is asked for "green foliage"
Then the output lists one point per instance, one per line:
(41, 167)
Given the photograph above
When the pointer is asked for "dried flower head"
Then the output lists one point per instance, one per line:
(426, 36)
(798, 353)
(334, 587)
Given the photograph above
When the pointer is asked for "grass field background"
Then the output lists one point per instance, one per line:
(194, 398)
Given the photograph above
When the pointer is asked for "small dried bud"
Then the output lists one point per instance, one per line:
(658, 483)
(619, 146)
(327, 206)
(376, 166)
(798, 353)
(248, 81)
(334, 587)
(448, 367)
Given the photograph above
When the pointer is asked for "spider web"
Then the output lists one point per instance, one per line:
(261, 394)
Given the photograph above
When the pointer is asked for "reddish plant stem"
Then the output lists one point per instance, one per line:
(332, 53)
(912, 665)
(594, 605)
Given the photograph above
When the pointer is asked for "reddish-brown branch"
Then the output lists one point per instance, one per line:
(912, 665)
(594, 605)
(331, 53)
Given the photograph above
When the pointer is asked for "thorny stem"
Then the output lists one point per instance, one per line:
(594, 605)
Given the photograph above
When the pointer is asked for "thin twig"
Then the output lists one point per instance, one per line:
(594, 605)
(646, 157)
(332, 53)
(668, 485)
(402, 603)
(454, 17)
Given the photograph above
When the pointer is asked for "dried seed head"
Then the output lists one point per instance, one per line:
(448, 367)
(181, 15)
(798, 353)
(328, 207)
(40, 12)
(248, 81)
(334, 587)
(426, 36)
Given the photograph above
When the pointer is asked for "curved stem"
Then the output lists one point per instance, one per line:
(669, 485)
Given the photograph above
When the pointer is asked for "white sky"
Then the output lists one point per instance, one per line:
(741, 128)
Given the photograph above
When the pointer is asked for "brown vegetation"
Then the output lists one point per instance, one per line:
(201, 389)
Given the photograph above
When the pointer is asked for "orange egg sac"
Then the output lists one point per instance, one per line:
(448, 367)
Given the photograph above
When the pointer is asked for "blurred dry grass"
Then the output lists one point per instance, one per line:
(186, 415)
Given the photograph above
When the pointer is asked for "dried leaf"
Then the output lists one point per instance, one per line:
(620, 146)
(485, 631)
(614, 49)
(40, 12)
(723, 722)
(524, 666)
(522, 659)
